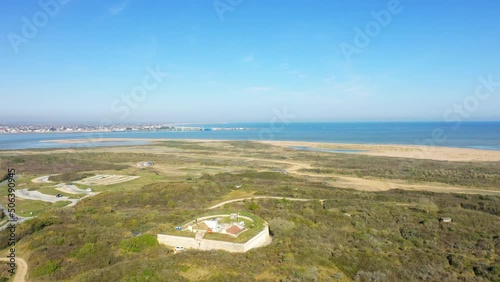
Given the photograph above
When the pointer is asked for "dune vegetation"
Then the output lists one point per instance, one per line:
(350, 235)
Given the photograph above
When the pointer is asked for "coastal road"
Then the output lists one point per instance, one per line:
(16, 177)
(20, 219)
(35, 195)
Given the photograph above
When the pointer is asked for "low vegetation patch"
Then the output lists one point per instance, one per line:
(477, 174)
(57, 163)
(69, 176)
(389, 235)
(139, 243)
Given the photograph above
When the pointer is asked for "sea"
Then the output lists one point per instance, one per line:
(476, 135)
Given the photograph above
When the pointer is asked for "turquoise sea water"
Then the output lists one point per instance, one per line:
(477, 135)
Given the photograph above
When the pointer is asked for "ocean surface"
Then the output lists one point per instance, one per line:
(477, 135)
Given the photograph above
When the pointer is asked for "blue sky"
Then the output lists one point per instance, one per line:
(231, 60)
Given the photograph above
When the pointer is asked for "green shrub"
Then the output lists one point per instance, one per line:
(253, 206)
(280, 226)
(48, 268)
(138, 243)
(85, 250)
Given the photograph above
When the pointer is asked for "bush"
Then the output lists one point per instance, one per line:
(84, 251)
(253, 206)
(139, 243)
(280, 226)
(370, 276)
(48, 268)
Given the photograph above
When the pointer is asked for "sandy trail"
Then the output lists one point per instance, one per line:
(64, 190)
(42, 179)
(358, 183)
(70, 189)
(384, 185)
(261, 197)
(21, 271)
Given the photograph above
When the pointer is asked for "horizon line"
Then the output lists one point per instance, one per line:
(89, 123)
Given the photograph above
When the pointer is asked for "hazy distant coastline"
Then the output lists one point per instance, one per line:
(111, 128)
(471, 135)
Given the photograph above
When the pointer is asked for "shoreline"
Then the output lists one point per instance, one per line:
(441, 153)
(95, 140)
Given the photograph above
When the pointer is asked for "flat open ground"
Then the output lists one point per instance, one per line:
(106, 179)
(400, 151)
(404, 151)
(193, 158)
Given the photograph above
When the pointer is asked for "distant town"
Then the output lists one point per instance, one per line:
(6, 129)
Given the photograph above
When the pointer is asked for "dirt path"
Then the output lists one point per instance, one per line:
(384, 185)
(71, 189)
(64, 190)
(261, 197)
(21, 271)
(358, 183)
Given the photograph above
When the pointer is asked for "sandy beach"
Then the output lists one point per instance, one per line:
(404, 151)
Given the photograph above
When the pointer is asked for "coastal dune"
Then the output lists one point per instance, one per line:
(439, 153)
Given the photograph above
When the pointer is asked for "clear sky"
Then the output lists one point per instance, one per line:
(245, 60)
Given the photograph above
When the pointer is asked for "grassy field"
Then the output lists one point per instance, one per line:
(355, 235)
(69, 176)
(30, 208)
